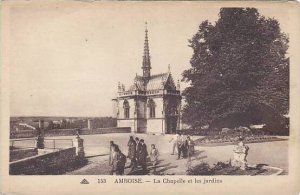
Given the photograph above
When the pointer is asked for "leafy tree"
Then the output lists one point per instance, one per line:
(239, 71)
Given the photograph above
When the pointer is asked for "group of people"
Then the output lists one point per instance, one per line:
(184, 144)
(137, 153)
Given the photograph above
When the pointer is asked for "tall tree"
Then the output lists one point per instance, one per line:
(239, 70)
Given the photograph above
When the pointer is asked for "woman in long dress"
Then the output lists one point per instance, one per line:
(132, 153)
(143, 153)
(111, 156)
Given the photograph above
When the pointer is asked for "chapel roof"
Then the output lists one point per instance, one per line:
(157, 81)
(154, 82)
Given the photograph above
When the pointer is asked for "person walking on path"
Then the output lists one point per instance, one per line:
(111, 155)
(184, 146)
(143, 153)
(154, 156)
(179, 145)
(137, 156)
(119, 160)
(174, 141)
(191, 146)
(132, 153)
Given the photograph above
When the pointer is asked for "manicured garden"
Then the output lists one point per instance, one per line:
(226, 168)
(233, 139)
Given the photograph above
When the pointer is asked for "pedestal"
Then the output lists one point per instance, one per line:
(78, 143)
(40, 142)
(240, 156)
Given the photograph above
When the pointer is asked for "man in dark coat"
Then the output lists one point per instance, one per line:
(132, 153)
(184, 147)
(179, 146)
(119, 160)
(137, 156)
(191, 146)
(143, 153)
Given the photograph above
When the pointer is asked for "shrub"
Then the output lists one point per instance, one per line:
(220, 166)
(204, 169)
(200, 169)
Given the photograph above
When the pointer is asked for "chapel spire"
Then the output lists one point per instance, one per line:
(146, 57)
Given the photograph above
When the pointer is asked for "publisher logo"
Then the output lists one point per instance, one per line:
(84, 181)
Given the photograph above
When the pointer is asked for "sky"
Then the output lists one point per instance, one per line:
(67, 59)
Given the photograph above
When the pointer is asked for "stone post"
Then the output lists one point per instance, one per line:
(41, 124)
(78, 143)
(40, 142)
(89, 123)
(240, 153)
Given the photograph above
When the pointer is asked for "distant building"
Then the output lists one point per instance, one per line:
(152, 103)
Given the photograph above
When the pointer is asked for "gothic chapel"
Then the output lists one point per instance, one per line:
(152, 103)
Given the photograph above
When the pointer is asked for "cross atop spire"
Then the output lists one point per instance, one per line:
(146, 57)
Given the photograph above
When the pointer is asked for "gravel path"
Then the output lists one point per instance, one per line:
(96, 148)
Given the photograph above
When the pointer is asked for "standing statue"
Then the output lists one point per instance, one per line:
(240, 153)
(78, 132)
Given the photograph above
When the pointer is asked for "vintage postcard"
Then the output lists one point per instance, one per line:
(150, 97)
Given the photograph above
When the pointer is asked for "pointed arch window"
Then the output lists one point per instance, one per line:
(151, 106)
(126, 109)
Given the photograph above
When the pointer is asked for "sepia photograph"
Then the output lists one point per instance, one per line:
(229, 118)
(167, 90)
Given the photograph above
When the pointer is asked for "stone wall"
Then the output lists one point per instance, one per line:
(130, 123)
(66, 132)
(48, 163)
(142, 125)
(22, 153)
(106, 130)
(156, 126)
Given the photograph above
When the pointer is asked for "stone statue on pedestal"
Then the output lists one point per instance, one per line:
(78, 143)
(39, 143)
(240, 153)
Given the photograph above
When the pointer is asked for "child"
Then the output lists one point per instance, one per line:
(154, 156)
